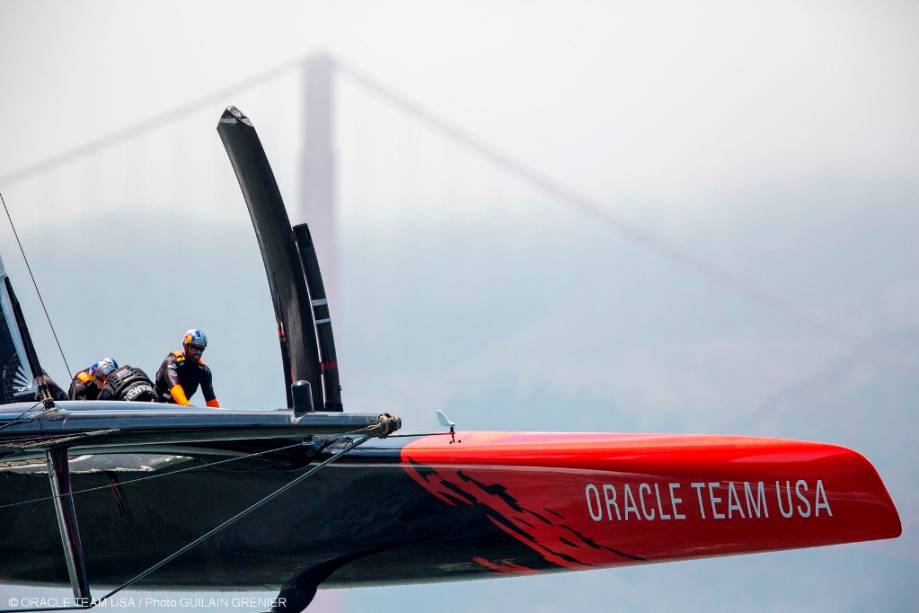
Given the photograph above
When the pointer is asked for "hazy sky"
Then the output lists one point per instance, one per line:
(681, 103)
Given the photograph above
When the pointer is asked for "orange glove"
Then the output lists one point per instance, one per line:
(178, 394)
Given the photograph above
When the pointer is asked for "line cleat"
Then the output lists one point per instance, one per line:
(388, 423)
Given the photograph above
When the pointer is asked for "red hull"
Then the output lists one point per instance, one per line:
(588, 500)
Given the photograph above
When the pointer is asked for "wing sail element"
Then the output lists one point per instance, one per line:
(321, 315)
(18, 361)
(289, 294)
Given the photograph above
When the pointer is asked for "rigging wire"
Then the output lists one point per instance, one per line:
(171, 472)
(254, 506)
(155, 476)
(23, 417)
(35, 284)
(410, 436)
(367, 433)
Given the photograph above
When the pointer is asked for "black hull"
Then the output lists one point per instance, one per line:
(361, 521)
(404, 510)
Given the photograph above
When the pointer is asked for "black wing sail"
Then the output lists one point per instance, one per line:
(17, 355)
(296, 329)
(322, 316)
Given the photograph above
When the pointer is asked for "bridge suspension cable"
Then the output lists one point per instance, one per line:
(540, 180)
(218, 97)
(592, 208)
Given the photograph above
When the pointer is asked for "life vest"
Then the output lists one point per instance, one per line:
(129, 383)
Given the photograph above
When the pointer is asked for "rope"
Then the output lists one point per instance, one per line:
(256, 505)
(169, 473)
(40, 299)
(22, 418)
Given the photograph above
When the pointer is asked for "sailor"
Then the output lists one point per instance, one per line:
(87, 383)
(182, 372)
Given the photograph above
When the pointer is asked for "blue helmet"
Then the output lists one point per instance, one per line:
(103, 368)
(196, 338)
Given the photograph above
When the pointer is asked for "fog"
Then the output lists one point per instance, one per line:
(752, 269)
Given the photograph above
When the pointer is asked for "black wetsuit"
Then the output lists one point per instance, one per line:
(83, 387)
(177, 369)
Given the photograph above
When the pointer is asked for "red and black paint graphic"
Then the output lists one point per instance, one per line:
(587, 500)
(544, 531)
